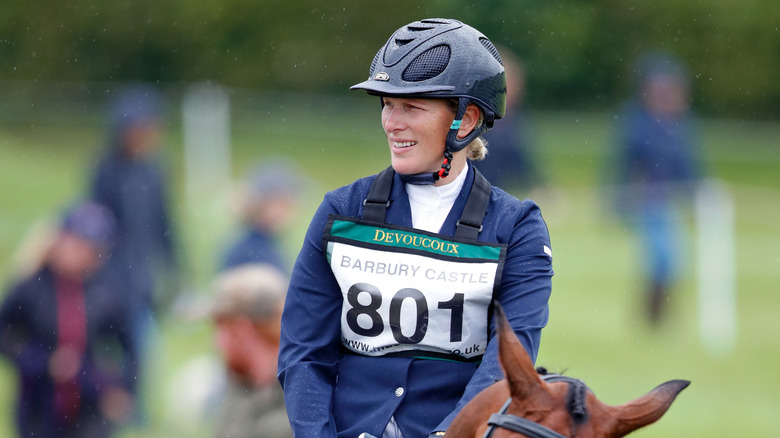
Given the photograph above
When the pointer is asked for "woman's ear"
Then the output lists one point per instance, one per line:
(470, 120)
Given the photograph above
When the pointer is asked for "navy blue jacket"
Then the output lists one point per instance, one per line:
(656, 158)
(510, 162)
(28, 337)
(330, 393)
(254, 246)
(136, 193)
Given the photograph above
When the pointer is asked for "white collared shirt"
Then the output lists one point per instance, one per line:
(431, 204)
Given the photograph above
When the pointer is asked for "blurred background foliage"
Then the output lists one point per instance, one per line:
(577, 53)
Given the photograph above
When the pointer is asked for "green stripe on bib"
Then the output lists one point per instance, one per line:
(406, 239)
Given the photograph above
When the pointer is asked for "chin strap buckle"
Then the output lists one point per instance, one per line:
(445, 166)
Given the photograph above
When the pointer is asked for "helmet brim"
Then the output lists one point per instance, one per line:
(382, 88)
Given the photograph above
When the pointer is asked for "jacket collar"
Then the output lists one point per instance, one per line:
(400, 212)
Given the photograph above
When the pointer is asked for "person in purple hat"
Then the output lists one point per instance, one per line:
(68, 337)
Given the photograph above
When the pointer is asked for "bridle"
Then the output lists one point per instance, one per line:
(522, 425)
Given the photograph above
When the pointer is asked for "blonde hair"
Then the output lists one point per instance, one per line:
(34, 248)
(477, 149)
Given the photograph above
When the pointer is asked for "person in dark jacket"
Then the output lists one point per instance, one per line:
(511, 162)
(657, 166)
(387, 327)
(270, 199)
(130, 181)
(69, 337)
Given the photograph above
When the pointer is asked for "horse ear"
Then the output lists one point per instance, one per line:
(646, 409)
(518, 368)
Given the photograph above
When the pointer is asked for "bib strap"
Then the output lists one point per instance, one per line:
(378, 199)
(470, 223)
(468, 226)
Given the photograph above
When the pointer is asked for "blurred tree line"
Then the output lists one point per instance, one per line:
(578, 54)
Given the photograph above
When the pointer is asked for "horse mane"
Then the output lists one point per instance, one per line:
(576, 398)
(576, 403)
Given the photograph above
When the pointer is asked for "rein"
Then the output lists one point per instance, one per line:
(522, 425)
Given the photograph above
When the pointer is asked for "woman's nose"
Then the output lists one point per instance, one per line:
(392, 120)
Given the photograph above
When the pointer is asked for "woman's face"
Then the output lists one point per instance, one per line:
(416, 131)
(73, 256)
(666, 95)
(142, 138)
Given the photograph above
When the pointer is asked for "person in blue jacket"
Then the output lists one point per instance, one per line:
(130, 180)
(512, 163)
(657, 167)
(271, 198)
(387, 327)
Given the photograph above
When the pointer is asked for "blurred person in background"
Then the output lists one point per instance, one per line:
(247, 314)
(510, 162)
(67, 335)
(269, 200)
(130, 181)
(387, 326)
(656, 167)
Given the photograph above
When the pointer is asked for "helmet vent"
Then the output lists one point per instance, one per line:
(491, 48)
(403, 41)
(414, 28)
(427, 65)
(374, 62)
(435, 21)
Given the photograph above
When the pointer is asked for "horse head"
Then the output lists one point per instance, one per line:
(527, 403)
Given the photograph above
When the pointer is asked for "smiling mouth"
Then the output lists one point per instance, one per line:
(403, 144)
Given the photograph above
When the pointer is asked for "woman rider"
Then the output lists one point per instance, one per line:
(387, 327)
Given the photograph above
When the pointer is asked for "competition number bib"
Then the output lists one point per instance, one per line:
(408, 292)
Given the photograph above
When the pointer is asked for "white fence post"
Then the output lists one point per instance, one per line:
(717, 301)
(207, 159)
(207, 171)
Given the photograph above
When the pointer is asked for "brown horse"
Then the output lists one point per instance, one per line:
(530, 403)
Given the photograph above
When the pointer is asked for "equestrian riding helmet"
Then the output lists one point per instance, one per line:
(441, 58)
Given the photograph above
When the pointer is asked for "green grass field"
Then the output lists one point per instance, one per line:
(596, 330)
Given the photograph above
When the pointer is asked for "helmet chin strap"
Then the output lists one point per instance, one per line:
(445, 166)
(418, 179)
